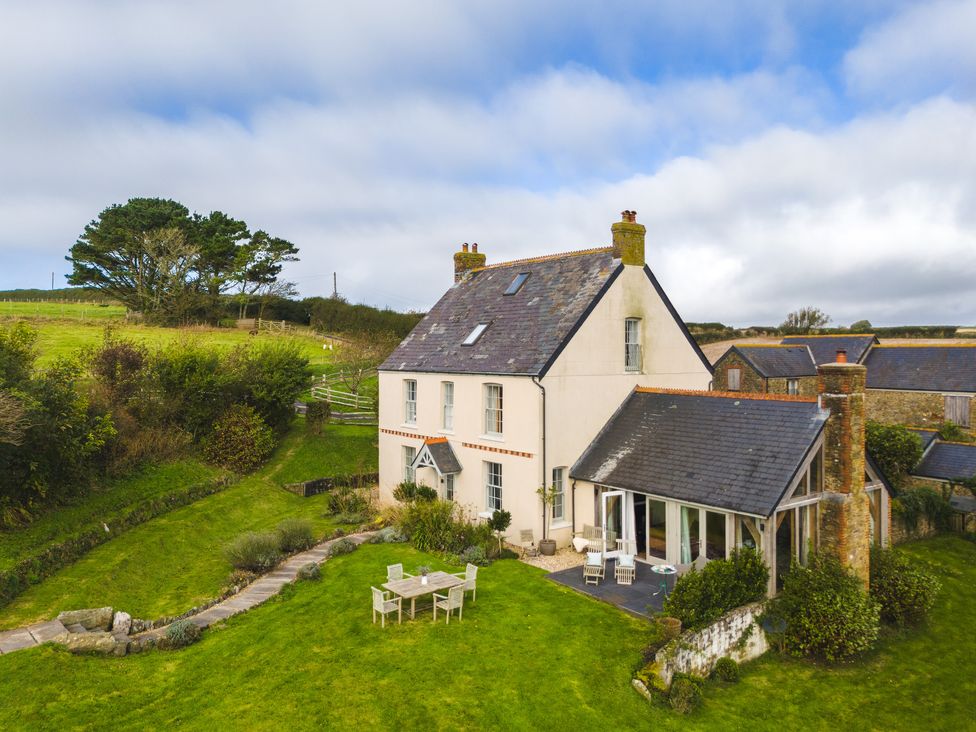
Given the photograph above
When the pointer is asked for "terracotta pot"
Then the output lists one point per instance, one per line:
(547, 547)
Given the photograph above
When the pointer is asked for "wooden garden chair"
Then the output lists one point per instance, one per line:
(594, 569)
(470, 576)
(384, 604)
(625, 571)
(395, 572)
(453, 600)
(527, 540)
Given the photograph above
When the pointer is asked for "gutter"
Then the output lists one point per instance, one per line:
(537, 382)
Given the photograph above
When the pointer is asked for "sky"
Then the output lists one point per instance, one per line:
(780, 154)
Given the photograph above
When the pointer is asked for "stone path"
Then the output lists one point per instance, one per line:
(251, 596)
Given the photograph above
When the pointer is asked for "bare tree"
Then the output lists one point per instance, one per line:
(360, 355)
(13, 419)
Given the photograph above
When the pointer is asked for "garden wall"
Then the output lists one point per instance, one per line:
(321, 485)
(736, 634)
(914, 408)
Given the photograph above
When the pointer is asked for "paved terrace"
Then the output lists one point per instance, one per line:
(637, 599)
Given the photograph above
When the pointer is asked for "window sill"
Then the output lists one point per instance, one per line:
(445, 432)
(561, 524)
(492, 438)
(409, 426)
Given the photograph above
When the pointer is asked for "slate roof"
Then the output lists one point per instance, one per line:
(927, 437)
(737, 453)
(922, 368)
(778, 361)
(824, 348)
(444, 456)
(948, 460)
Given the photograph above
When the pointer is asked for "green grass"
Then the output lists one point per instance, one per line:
(100, 506)
(529, 654)
(175, 561)
(60, 310)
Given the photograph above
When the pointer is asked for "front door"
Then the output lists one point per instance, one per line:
(613, 521)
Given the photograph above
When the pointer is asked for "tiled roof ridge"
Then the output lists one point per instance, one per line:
(434, 440)
(543, 258)
(834, 335)
(922, 429)
(940, 441)
(752, 396)
(769, 345)
(925, 345)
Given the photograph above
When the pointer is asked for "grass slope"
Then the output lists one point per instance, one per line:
(528, 655)
(100, 506)
(60, 310)
(174, 562)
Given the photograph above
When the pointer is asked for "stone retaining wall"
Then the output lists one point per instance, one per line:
(322, 485)
(736, 634)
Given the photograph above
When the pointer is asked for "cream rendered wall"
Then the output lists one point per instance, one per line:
(588, 382)
(521, 434)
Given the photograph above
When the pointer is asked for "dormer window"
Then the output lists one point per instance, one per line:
(475, 334)
(517, 283)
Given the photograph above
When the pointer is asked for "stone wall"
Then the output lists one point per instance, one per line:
(750, 380)
(913, 408)
(736, 634)
(901, 533)
(807, 386)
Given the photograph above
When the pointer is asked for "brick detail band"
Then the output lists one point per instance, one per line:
(414, 435)
(500, 450)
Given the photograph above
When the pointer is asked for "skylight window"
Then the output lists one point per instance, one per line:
(517, 283)
(475, 334)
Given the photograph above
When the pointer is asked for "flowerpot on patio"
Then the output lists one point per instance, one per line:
(547, 547)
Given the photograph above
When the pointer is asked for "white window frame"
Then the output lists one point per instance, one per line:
(447, 406)
(409, 455)
(737, 373)
(410, 401)
(559, 494)
(792, 387)
(494, 410)
(633, 358)
(493, 486)
(449, 486)
(475, 334)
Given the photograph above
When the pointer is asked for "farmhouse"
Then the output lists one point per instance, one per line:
(502, 385)
(767, 369)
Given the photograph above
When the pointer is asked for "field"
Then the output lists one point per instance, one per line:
(528, 655)
(173, 562)
(65, 310)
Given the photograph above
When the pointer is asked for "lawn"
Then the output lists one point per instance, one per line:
(100, 506)
(173, 562)
(61, 310)
(529, 654)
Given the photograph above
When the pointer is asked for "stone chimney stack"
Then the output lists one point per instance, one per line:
(465, 261)
(628, 239)
(845, 513)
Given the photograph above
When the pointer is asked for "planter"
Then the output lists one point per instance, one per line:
(547, 547)
(423, 579)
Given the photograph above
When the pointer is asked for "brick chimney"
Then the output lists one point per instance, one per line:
(465, 261)
(628, 239)
(845, 513)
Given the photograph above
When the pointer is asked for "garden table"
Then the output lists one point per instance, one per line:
(410, 588)
(666, 570)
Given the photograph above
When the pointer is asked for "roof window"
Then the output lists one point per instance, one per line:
(475, 334)
(517, 283)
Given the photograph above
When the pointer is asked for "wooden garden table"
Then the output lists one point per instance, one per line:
(410, 588)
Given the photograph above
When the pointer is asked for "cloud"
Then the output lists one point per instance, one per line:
(927, 49)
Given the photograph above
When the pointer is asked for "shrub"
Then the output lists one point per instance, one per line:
(649, 677)
(310, 571)
(905, 591)
(240, 440)
(432, 526)
(254, 551)
(351, 518)
(345, 499)
(685, 695)
(408, 492)
(700, 598)
(726, 669)
(238, 579)
(824, 610)
(895, 449)
(342, 546)
(474, 555)
(914, 503)
(317, 415)
(951, 432)
(295, 534)
(182, 633)
(388, 535)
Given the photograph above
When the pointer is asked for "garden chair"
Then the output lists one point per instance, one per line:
(625, 571)
(594, 569)
(395, 572)
(453, 600)
(384, 604)
(527, 540)
(470, 575)
(594, 538)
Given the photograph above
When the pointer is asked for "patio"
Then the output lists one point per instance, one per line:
(637, 599)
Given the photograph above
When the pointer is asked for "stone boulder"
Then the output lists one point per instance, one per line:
(90, 619)
(98, 642)
(121, 623)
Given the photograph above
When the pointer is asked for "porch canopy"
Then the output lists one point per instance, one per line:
(736, 453)
(437, 453)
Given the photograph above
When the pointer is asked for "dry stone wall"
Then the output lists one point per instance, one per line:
(913, 408)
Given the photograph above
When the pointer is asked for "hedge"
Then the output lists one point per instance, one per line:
(34, 569)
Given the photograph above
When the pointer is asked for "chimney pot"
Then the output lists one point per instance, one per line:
(464, 247)
(465, 261)
(474, 247)
(841, 355)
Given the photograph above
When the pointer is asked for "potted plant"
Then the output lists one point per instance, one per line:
(423, 571)
(499, 522)
(547, 546)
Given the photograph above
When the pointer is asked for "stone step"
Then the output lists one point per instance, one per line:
(76, 628)
(43, 632)
(14, 640)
